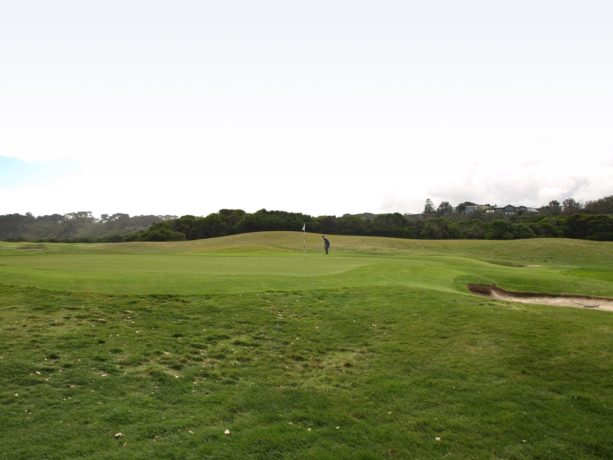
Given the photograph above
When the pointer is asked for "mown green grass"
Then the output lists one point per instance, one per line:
(372, 352)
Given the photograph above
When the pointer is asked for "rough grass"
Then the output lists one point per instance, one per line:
(379, 354)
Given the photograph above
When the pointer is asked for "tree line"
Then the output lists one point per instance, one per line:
(79, 226)
(592, 220)
(582, 225)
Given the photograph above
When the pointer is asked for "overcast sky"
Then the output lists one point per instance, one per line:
(322, 107)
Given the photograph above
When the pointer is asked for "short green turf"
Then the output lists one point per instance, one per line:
(375, 351)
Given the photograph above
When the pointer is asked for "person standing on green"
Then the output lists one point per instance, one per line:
(326, 243)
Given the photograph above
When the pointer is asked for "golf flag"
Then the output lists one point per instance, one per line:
(304, 227)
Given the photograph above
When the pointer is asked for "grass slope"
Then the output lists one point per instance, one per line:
(275, 260)
(376, 351)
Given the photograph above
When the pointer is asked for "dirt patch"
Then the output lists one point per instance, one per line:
(494, 292)
(33, 247)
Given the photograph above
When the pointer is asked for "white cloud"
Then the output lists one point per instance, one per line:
(331, 108)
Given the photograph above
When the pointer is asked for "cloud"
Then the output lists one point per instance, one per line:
(525, 190)
(521, 178)
(284, 108)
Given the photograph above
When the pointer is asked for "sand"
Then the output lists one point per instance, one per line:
(592, 303)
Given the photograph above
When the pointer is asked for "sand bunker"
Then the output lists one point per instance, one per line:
(494, 292)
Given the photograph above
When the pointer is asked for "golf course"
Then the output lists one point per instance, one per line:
(261, 346)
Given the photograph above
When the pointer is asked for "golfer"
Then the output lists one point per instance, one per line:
(326, 243)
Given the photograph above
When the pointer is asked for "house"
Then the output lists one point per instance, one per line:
(477, 208)
(510, 210)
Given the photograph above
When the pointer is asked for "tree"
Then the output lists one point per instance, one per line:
(353, 225)
(554, 207)
(499, 230)
(119, 216)
(163, 234)
(570, 206)
(434, 229)
(523, 231)
(603, 205)
(429, 207)
(462, 206)
(392, 224)
(80, 216)
(444, 208)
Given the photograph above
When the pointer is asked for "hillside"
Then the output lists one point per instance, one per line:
(272, 260)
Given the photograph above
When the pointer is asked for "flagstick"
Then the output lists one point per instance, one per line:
(304, 242)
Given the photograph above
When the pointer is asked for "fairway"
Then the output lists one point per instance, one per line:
(375, 351)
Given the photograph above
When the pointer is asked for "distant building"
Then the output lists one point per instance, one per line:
(510, 210)
(477, 208)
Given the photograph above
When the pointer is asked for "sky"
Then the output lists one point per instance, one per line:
(322, 107)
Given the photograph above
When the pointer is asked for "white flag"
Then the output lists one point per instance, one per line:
(304, 227)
